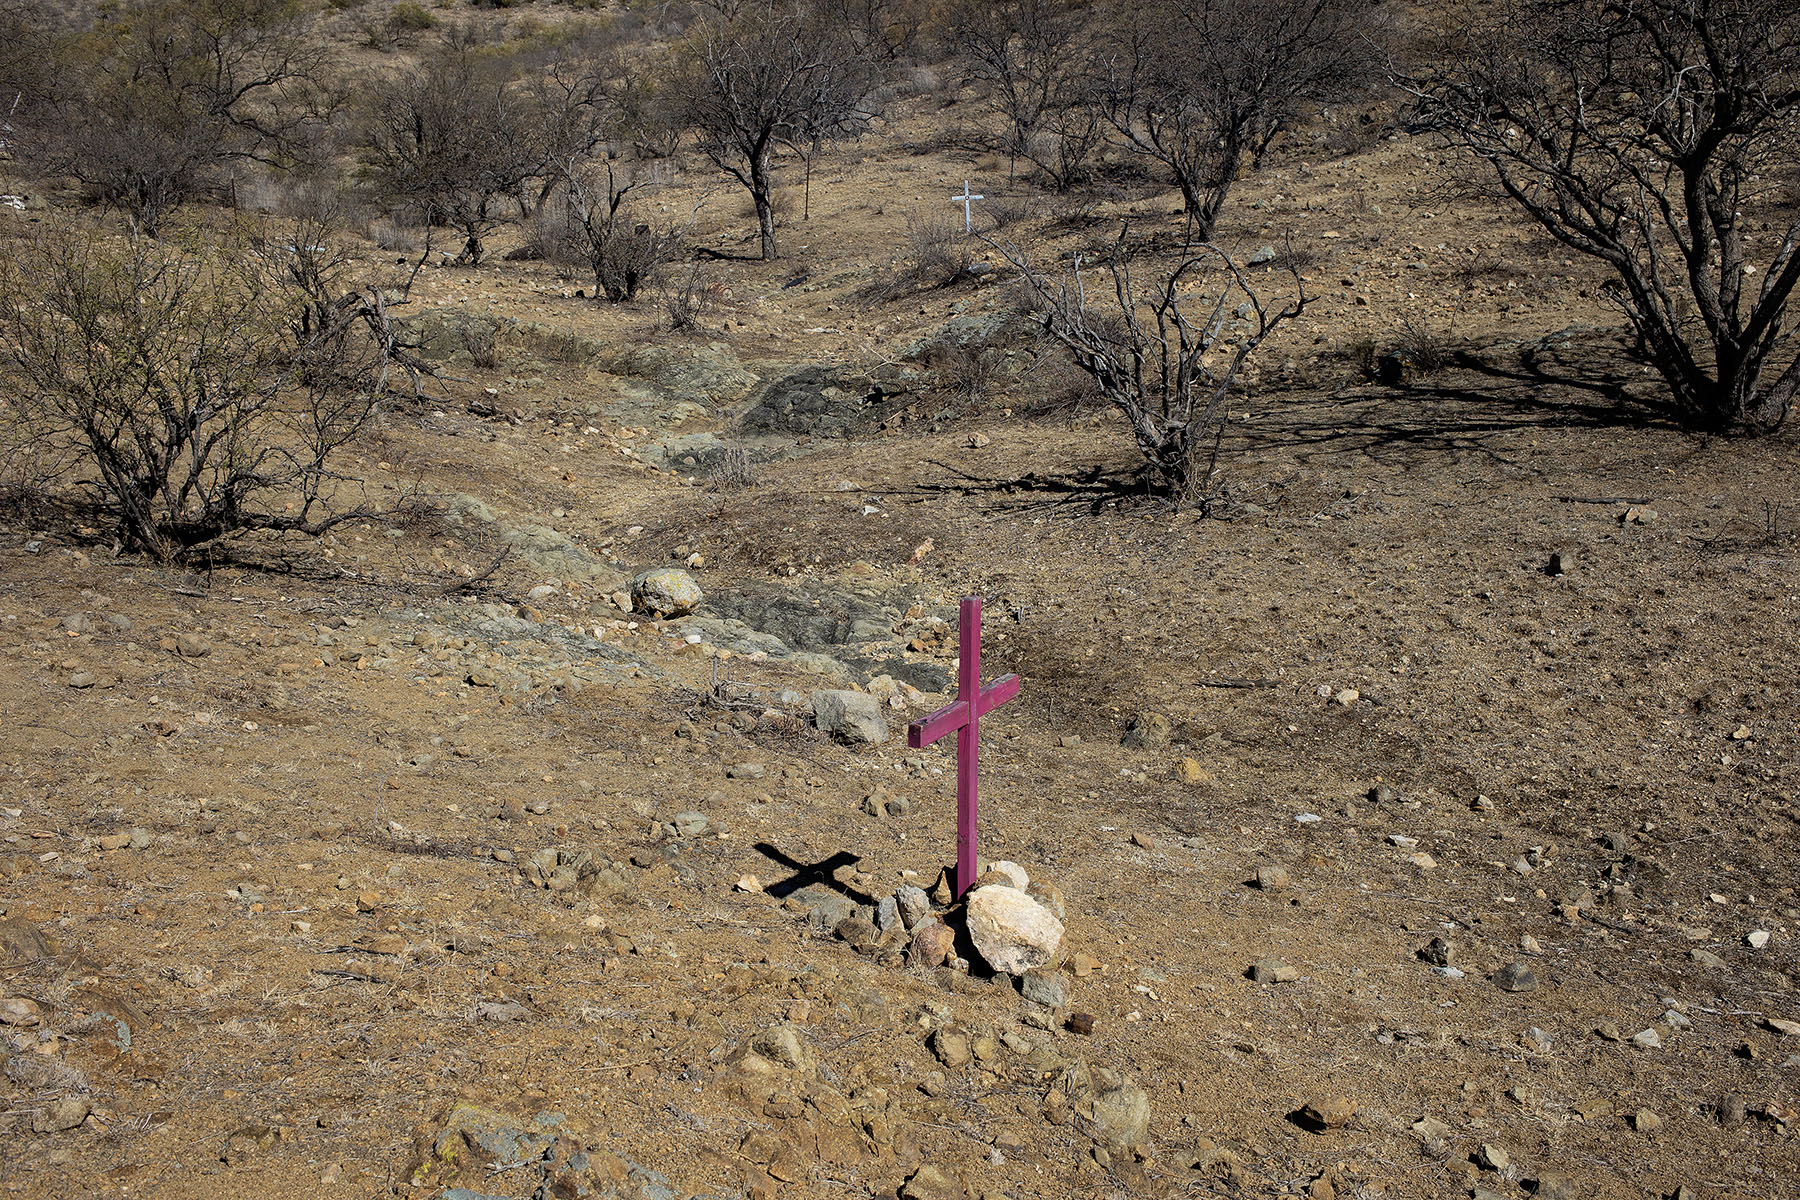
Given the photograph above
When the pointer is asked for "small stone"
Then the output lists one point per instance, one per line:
(666, 592)
(1729, 1109)
(1708, 959)
(1272, 970)
(83, 679)
(1013, 873)
(1148, 731)
(1117, 1116)
(933, 942)
(1423, 861)
(1609, 1032)
(747, 770)
(859, 931)
(1049, 988)
(781, 1043)
(1346, 697)
(1431, 1130)
(951, 1046)
(1492, 1158)
(1437, 952)
(1529, 945)
(1646, 1121)
(1561, 563)
(368, 901)
(1271, 878)
(1756, 939)
(1516, 977)
(140, 838)
(854, 718)
(1081, 1023)
(1332, 1113)
(59, 1115)
(115, 841)
(19, 1011)
(192, 645)
(913, 903)
(1481, 804)
(1647, 1039)
(690, 824)
(1191, 774)
(1784, 1028)
(1143, 841)
(932, 1183)
(887, 914)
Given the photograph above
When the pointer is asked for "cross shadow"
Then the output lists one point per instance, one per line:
(824, 873)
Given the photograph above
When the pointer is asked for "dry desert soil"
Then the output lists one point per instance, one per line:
(1422, 825)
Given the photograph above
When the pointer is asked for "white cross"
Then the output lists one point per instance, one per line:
(966, 200)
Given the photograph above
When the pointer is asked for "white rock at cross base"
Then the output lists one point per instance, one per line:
(1012, 871)
(1013, 932)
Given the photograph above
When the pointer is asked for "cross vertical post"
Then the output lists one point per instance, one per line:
(964, 716)
(966, 199)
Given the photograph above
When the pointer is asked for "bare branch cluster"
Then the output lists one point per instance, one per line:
(1658, 137)
(1167, 351)
(771, 75)
(192, 387)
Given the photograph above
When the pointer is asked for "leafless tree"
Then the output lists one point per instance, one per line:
(1166, 352)
(1202, 86)
(768, 76)
(1658, 136)
(149, 107)
(622, 253)
(886, 30)
(456, 139)
(192, 391)
(1032, 59)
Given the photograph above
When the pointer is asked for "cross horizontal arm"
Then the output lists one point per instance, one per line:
(948, 719)
(998, 692)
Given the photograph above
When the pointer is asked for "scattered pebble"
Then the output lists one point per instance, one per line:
(1516, 977)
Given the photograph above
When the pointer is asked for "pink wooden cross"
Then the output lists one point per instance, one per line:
(972, 700)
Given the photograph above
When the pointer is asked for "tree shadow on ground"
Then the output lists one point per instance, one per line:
(1071, 494)
(1475, 407)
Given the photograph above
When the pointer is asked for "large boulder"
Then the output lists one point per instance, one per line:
(665, 592)
(853, 717)
(1012, 932)
(827, 401)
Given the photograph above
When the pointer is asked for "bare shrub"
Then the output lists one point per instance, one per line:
(191, 392)
(734, 468)
(686, 297)
(455, 140)
(150, 109)
(1421, 350)
(964, 374)
(1167, 353)
(1006, 211)
(1660, 138)
(1031, 59)
(938, 253)
(483, 344)
(621, 253)
(1203, 86)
